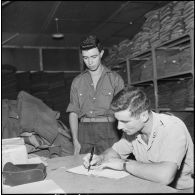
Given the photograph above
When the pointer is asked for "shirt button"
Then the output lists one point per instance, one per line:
(94, 98)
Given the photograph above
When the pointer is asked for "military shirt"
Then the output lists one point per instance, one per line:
(89, 102)
(169, 141)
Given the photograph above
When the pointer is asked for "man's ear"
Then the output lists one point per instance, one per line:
(102, 53)
(144, 116)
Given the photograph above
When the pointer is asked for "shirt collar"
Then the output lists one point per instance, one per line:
(155, 128)
(106, 69)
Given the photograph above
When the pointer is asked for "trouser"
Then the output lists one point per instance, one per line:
(102, 135)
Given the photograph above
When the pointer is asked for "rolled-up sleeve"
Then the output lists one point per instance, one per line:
(119, 84)
(123, 147)
(175, 144)
(74, 102)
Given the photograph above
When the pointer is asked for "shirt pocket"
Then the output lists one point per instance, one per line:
(106, 97)
(82, 96)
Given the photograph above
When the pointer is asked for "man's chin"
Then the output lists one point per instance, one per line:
(93, 69)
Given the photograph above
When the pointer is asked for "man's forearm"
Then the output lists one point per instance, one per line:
(162, 172)
(73, 121)
(109, 154)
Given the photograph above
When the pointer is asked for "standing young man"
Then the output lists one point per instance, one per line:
(161, 143)
(90, 98)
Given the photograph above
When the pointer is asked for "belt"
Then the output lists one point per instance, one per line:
(98, 119)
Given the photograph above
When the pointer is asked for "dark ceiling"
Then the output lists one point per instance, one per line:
(32, 23)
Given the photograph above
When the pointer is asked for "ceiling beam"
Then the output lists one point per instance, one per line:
(5, 3)
(111, 17)
(50, 16)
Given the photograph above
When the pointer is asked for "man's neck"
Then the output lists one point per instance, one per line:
(148, 126)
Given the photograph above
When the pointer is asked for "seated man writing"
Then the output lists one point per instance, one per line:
(161, 143)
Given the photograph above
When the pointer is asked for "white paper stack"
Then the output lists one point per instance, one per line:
(14, 150)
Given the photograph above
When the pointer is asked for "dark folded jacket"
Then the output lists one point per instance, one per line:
(36, 116)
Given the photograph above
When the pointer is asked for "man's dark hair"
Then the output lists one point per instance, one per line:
(132, 98)
(91, 42)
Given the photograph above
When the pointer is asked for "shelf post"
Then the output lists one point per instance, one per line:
(155, 78)
(41, 59)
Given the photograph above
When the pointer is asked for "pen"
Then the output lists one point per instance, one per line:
(91, 157)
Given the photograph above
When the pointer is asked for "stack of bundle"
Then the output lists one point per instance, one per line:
(39, 86)
(178, 27)
(23, 81)
(188, 119)
(173, 61)
(189, 15)
(185, 59)
(166, 22)
(149, 90)
(135, 69)
(147, 70)
(152, 26)
(137, 44)
(112, 57)
(180, 93)
(124, 49)
(178, 96)
(9, 86)
(164, 94)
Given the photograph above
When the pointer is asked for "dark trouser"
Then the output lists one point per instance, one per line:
(102, 135)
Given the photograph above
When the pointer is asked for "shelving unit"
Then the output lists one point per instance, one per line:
(166, 73)
(166, 65)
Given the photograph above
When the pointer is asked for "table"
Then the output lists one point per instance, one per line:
(75, 183)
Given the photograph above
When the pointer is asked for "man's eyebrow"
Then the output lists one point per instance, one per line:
(90, 56)
(123, 121)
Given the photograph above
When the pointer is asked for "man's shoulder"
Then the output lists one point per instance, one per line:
(79, 77)
(168, 117)
(170, 121)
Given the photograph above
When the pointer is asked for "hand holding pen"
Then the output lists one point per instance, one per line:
(91, 157)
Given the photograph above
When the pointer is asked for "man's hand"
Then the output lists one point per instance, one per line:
(96, 161)
(114, 163)
(77, 147)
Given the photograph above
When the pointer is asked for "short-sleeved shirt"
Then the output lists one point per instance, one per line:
(169, 141)
(89, 102)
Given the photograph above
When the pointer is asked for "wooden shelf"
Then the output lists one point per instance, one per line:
(180, 48)
(141, 55)
(176, 41)
(179, 74)
(145, 82)
(177, 110)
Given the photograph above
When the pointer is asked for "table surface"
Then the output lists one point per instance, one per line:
(75, 183)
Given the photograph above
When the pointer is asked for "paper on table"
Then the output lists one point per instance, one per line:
(110, 173)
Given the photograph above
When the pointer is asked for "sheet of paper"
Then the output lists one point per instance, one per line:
(45, 186)
(36, 160)
(110, 173)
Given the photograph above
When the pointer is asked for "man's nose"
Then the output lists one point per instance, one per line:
(90, 61)
(120, 125)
